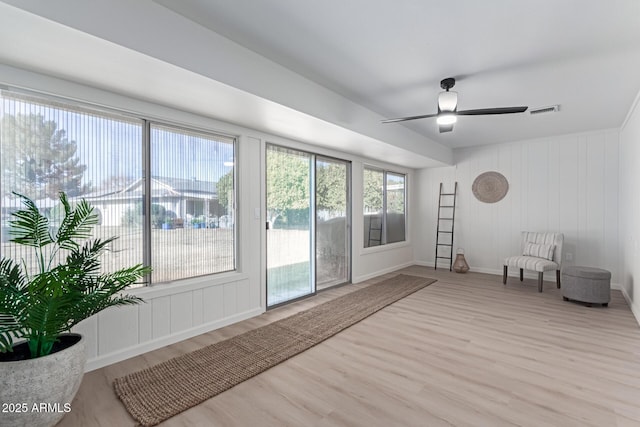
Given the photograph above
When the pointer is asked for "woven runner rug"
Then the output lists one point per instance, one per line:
(159, 392)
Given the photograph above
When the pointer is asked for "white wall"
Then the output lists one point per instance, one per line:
(630, 208)
(565, 183)
(179, 310)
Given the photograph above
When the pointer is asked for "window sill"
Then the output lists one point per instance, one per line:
(384, 248)
(186, 285)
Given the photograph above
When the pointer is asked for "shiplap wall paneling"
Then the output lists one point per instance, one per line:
(569, 185)
(197, 315)
(243, 296)
(181, 309)
(213, 303)
(566, 183)
(161, 316)
(611, 218)
(229, 298)
(89, 330)
(117, 328)
(145, 322)
(630, 208)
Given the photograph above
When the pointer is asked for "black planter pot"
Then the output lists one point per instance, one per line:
(21, 351)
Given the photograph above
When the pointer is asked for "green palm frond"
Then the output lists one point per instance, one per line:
(87, 257)
(126, 276)
(78, 223)
(11, 274)
(10, 329)
(12, 298)
(40, 307)
(48, 316)
(95, 303)
(30, 228)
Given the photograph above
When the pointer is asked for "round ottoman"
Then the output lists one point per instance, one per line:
(586, 284)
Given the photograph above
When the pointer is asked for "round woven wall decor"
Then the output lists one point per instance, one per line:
(490, 187)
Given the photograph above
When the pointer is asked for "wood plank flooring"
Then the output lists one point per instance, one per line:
(465, 351)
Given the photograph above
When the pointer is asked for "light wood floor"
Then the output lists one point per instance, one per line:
(465, 351)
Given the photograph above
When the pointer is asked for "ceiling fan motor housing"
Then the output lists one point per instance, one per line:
(447, 83)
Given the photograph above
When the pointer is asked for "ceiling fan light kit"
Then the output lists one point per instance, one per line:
(446, 118)
(448, 101)
(448, 109)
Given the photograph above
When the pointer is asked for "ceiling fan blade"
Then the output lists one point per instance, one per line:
(445, 128)
(489, 111)
(404, 119)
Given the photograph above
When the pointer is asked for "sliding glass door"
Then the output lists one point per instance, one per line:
(290, 221)
(308, 243)
(332, 222)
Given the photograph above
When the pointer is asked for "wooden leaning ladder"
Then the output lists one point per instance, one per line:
(450, 216)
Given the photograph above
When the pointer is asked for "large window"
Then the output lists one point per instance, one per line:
(49, 146)
(191, 203)
(384, 207)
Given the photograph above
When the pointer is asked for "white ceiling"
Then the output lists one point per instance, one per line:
(390, 56)
(143, 50)
(326, 72)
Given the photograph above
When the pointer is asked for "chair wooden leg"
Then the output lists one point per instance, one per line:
(558, 278)
(540, 281)
(504, 276)
(521, 274)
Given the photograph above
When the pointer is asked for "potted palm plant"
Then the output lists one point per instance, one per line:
(44, 296)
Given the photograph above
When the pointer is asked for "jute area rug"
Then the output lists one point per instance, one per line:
(159, 392)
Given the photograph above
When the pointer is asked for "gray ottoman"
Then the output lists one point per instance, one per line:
(586, 284)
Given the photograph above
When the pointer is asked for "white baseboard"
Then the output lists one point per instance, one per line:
(120, 355)
(635, 308)
(496, 272)
(364, 277)
(431, 264)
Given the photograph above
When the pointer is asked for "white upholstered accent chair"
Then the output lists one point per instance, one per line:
(539, 252)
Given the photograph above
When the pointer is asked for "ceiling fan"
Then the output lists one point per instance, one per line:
(448, 109)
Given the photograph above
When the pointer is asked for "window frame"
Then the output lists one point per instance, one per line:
(147, 121)
(168, 126)
(385, 172)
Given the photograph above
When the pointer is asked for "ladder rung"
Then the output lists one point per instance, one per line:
(452, 206)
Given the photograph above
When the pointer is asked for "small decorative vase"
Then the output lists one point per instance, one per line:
(460, 265)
